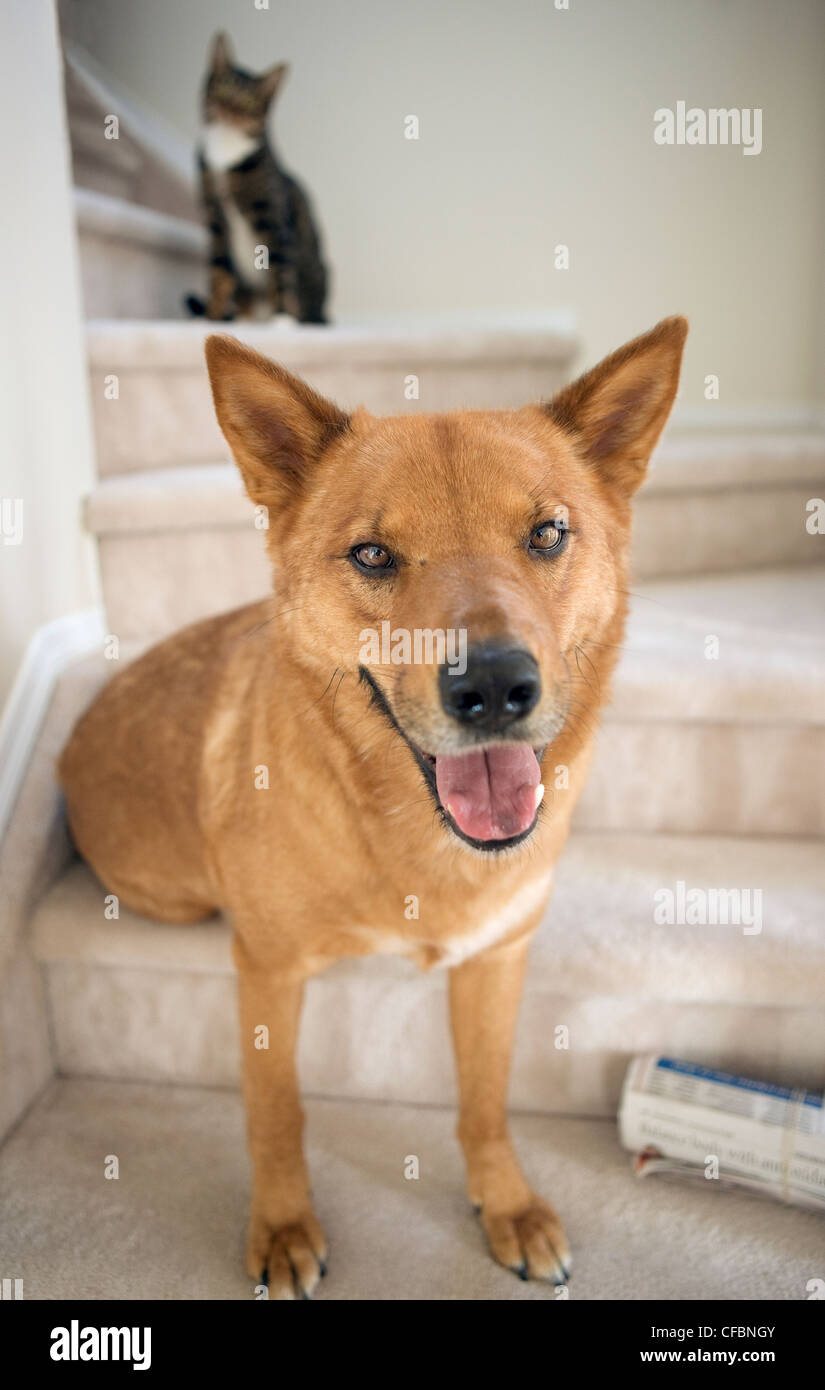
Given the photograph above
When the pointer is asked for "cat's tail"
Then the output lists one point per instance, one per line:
(195, 305)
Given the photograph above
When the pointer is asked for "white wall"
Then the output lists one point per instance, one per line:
(537, 128)
(46, 459)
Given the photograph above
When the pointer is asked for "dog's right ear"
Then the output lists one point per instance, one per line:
(275, 425)
(617, 410)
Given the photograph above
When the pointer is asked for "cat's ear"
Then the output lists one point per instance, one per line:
(221, 56)
(618, 409)
(275, 425)
(271, 82)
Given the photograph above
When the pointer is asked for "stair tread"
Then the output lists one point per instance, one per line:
(771, 654)
(717, 460)
(168, 499)
(104, 214)
(599, 937)
(147, 345)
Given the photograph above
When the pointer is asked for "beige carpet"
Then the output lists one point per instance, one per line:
(171, 1226)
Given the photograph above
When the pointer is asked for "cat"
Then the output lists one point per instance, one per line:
(265, 250)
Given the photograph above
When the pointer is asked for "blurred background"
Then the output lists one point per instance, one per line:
(536, 129)
(535, 132)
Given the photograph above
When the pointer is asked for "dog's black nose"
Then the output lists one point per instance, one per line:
(500, 685)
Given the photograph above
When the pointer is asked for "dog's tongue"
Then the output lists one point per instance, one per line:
(491, 794)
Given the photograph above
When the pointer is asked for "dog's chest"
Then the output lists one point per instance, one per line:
(430, 950)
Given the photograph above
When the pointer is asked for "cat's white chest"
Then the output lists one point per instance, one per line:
(224, 146)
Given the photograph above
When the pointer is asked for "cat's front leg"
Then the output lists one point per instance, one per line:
(281, 290)
(223, 286)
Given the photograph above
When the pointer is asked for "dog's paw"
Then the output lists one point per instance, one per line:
(530, 1241)
(289, 1258)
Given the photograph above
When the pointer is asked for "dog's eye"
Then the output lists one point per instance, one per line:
(549, 537)
(372, 557)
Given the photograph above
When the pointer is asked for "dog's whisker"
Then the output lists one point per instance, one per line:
(317, 702)
(335, 697)
(586, 658)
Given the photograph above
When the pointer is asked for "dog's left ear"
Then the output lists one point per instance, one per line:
(617, 411)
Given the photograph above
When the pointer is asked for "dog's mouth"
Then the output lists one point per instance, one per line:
(488, 795)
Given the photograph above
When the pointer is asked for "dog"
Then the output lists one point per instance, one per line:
(274, 764)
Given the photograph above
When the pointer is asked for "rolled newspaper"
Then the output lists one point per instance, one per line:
(692, 1121)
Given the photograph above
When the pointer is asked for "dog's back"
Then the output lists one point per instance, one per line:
(131, 771)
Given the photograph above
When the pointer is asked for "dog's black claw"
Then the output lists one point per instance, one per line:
(477, 1208)
(521, 1271)
(322, 1269)
(264, 1279)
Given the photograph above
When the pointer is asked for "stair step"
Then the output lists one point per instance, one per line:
(731, 745)
(728, 501)
(175, 544)
(135, 262)
(149, 163)
(139, 1000)
(90, 145)
(164, 418)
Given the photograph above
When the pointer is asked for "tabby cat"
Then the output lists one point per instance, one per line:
(265, 251)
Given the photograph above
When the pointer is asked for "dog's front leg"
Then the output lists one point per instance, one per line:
(524, 1231)
(285, 1236)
